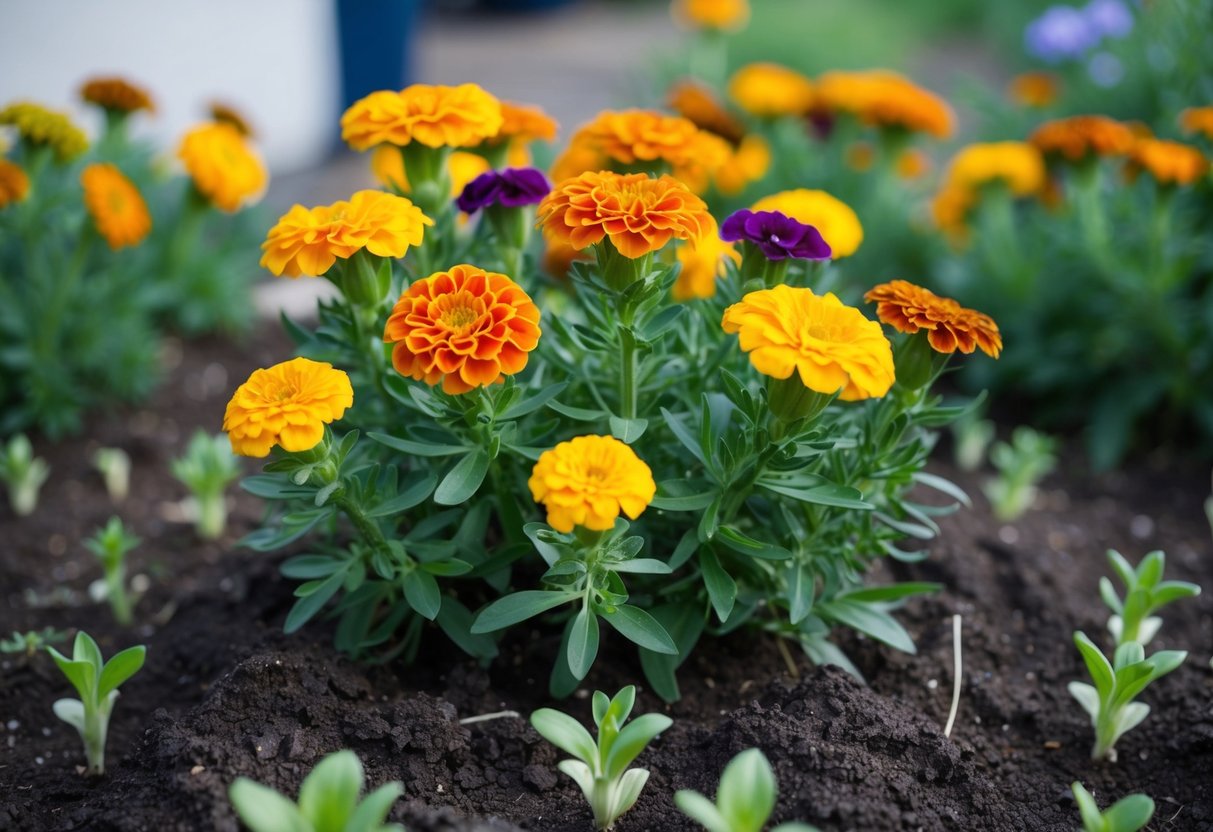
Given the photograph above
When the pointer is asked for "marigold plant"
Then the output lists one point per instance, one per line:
(40, 126)
(948, 325)
(771, 91)
(286, 406)
(223, 166)
(1077, 137)
(116, 206)
(880, 98)
(429, 114)
(701, 264)
(14, 183)
(589, 481)
(1017, 165)
(1197, 120)
(1168, 163)
(119, 94)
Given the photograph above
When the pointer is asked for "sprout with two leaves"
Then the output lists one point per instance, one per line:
(744, 800)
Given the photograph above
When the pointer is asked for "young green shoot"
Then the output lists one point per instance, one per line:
(111, 545)
(207, 469)
(971, 438)
(1129, 814)
(1021, 465)
(97, 682)
(328, 801)
(745, 799)
(32, 641)
(1109, 702)
(601, 769)
(23, 474)
(115, 468)
(1146, 592)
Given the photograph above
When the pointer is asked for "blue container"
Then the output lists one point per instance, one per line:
(376, 38)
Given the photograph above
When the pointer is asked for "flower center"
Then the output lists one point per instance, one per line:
(458, 317)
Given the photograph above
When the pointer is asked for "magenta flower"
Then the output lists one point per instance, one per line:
(510, 188)
(777, 235)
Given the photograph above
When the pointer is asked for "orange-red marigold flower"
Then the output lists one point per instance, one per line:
(116, 206)
(466, 327)
(698, 104)
(14, 183)
(1075, 137)
(949, 326)
(881, 98)
(430, 114)
(1170, 163)
(286, 405)
(117, 94)
(223, 165)
(589, 480)
(1197, 120)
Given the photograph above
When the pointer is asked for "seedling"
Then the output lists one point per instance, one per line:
(207, 469)
(601, 769)
(1110, 701)
(971, 438)
(115, 468)
(1129, 814)
(23, 474)
(97, 683)
(328, 801)
(31, 642)
(111, 545)
(1145, 593)
(1021, 466)
(744, 800)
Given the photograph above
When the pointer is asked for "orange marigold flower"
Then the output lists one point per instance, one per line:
(589, 480)
(748, 162)
(525, 123)
(949, 326)
(1034, 89)
(769, 90)
(697, 103)
(116, 206)
(712, 14)
(286, 405)
(117, 94)
(832, 217)
(1170, 163)
(225, 113)
(913, 163)
(14, 183)
(1017, 164)
(1197, 120)
(466, 327)
(637, 213)
(223, 165)
(40, 126)
(833, 347)
(430, 114)
(1075, 137)
(308, 241)
(702, 262)
(950, 208)
(880, 98)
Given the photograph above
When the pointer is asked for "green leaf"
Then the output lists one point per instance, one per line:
(456, 621)
(462, 481)
(1149, 571)
(870, 621)
(274, 487)
(684, 622)
(1169, 591)
(532, 403)
(308, 605)
(412, 496)
(642, 566)
(838, 496)
(746, 545)
(81, 674)
(519, 607)
(632, 740)
(892, 592)
(746, 796)
(943, 486)
(692, 502)
(583, 642)
(264, 810)
(628, 430)
(701, 810)
(578, 414)
(85, 649)
(414, 448)
(683, 435)
(722, 589)
(1088, 809)
(1097, 664)
(566, 733)
(119, 668)
(311, 567)
(1129, 814)
(639, 627)
(421, 591)
(374, 808)
(662, 322)
(802, 585)
(330, 792)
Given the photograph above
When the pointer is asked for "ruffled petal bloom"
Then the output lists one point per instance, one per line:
(949, 326)
(510, 188)
(880, 98)
(1077, 137)
(778, 236)
(44, 127)
(834, 219)
(286, 405)
(223, 165)
(117, 94)
(429, 114)
(116, 206)
(589, 481)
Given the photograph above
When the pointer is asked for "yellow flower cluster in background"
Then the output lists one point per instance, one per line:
(769, 90)
(116, 206)
(118, 94)
(589, 481)
(1017, 165)
(429, 114)
(39, 126)
(884, 99)
(712, 14)
(286, 405)
(836, 221)
(223, 166)
(14, 183)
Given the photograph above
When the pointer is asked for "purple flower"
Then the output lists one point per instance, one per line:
(1061, 33)
(510, 188)
(777, 235)
(1110, 18)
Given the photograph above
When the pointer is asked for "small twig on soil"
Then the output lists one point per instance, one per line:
(787, 658)
(488, 717)
(956, 671)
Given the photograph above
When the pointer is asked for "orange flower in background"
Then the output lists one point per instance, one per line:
(432, 115)
(832, 347)
(880, 98)
(224, 167)
(698, 104)
(40, 126)
(637, 213)
(1170, 163)
(559, 256)
(286, 405)
(225, 113)
(860, 156)
(1016, 164)
(833, 218)
(464, 327)
(1034, 89)
(308, 241)
(950, 208)
(14, 183)
(117, 94)
(1197, 120)
(913, 163)
(712, 14)
(116, 206)
(589, 481)
(769, 90)
(949, 326)
(748, 162)
(702, 263)
(525, 123)
(1075, 137)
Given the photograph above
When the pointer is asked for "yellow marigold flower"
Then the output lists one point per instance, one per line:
(116, 206)
(637, 213)
(1017, 164)
(1197, 120)
(770, 91)
(833, 347)
(525, 123)
(697, 103)
(308, 241)
(588, 481)
(913, 163)
(40, 126)
(702, 262)
(1170, 163)
(464, 327)
(225, 113)
(881, 98)
(1075, 137)
(14, 183)
(225, 169)
(748, 162)
(117, 94)
(1034, 89)
(949, 326)
(286, 405)
(832, 217)
(712, 14)
(432, 115)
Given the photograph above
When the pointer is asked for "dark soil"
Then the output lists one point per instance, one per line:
(225, 693)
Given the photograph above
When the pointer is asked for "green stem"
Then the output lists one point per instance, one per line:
(61, 296)
(94, 732)
(120, 602)
(366, 527)
(212, 516)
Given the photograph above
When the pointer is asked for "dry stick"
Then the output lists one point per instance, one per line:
(787, 657)
(487, 717)
(956, 670)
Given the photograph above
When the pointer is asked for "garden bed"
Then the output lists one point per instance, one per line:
(225, 693)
